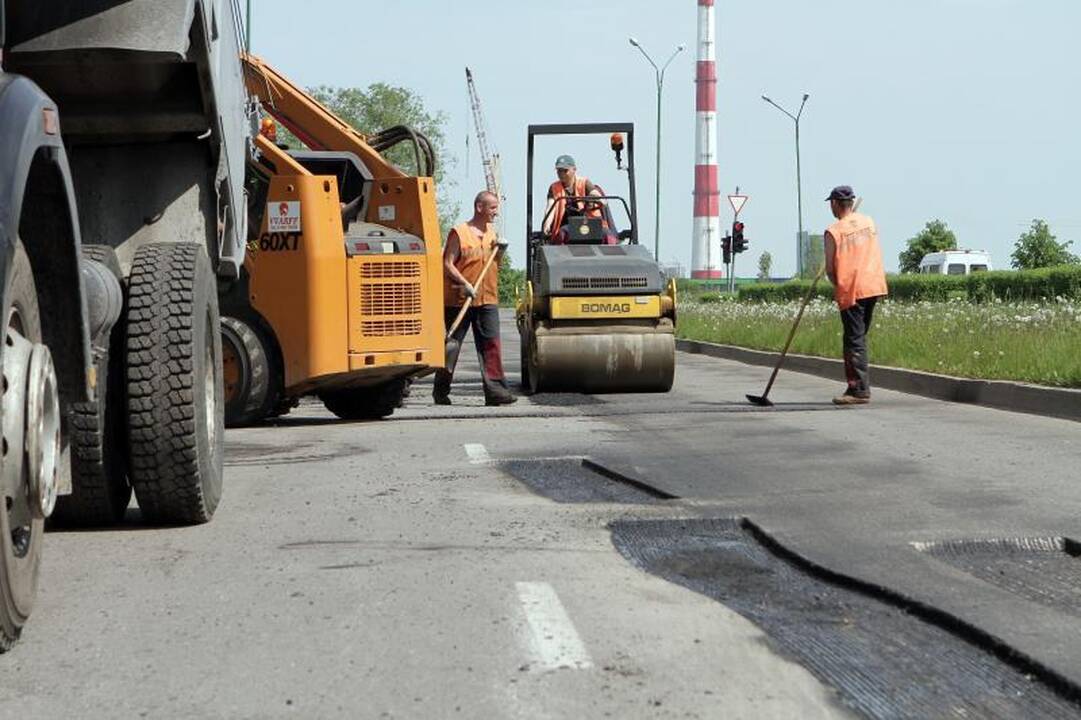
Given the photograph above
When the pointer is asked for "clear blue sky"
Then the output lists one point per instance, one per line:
(964, 110)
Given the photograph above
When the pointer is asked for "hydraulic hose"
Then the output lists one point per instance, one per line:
(423, 152)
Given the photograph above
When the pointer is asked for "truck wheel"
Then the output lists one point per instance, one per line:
(174, 384)
(100, 489)
(248, 372)
(20, 532)
(366, 403)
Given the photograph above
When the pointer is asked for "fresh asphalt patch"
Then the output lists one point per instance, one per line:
(581, 480)
(883, 661)
(1045, 570)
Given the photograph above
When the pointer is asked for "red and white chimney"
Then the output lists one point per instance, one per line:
(706, 247)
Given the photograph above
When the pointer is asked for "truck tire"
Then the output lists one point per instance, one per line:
(174, 384)
(370, 403)
(250, 375)
(99, 479)
(20, 533)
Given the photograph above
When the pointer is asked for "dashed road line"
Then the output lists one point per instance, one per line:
(477, 453)
(553, 640)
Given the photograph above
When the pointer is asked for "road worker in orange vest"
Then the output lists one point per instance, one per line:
(560, 210)
(854, 266)
(469, 246)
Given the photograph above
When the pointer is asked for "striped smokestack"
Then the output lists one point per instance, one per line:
(706, 248)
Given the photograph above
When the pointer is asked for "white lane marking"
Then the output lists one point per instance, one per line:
(553, 639)
(477, 453)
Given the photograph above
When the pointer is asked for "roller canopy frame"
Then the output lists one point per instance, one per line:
(533, 131)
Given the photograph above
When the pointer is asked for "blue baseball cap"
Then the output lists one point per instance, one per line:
(842, 192)
(565, 161)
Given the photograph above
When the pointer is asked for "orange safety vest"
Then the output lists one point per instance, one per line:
(857, 260)
(473, 254)
(559, 193)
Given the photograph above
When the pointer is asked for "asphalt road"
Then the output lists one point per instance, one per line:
(403, 569)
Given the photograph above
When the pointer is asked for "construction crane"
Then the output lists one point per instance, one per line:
(489, 159)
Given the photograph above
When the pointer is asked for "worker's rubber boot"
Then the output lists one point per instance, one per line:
(502, 398)
(441, 389)
(848, 399)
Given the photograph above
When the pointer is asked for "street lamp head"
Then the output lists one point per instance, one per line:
(681, 47)
(805, 96)
(632, 41)
(766, 99)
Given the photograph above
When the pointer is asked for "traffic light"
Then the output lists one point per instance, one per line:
(726, 247)
(739, 243)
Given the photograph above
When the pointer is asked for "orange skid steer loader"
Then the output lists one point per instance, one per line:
(342, 289)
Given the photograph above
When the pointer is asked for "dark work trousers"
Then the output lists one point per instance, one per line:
(485, 323)
(857, 322)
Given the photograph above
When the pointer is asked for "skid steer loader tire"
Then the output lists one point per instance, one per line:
(366, 403)
(174, 384)
(250, 382)
(100, 489)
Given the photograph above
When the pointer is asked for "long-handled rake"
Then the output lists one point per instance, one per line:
(763, 399)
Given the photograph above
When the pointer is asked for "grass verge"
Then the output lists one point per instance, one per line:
(1028, 342)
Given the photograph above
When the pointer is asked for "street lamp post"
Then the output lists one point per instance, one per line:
(799, 187)
(660, 86)
(247, 29)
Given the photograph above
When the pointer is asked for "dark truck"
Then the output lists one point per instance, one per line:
(124, 132)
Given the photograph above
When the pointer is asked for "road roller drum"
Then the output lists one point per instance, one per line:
(602, 358)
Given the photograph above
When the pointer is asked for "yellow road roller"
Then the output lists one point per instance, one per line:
(597, 314)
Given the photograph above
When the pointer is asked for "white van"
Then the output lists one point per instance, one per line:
(955, 262)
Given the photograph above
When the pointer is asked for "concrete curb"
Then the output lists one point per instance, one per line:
(1001, 394)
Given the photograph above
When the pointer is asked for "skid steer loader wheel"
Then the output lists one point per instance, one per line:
(100, 489)
(366, 403)
(248, 372)
(174, 384)
(20, 529)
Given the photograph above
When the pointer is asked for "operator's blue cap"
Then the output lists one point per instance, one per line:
(842, 192)
(565, 161)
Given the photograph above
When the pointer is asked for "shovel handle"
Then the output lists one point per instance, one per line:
(795, 326)
(469, 300)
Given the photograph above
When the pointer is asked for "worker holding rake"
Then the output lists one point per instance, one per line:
(854, 266)
(471, 298)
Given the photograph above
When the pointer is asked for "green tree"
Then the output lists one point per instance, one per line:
(380, 106)
(1037, 248)
(936, 236)
(765, 264)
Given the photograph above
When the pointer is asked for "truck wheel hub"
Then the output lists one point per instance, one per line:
(43, 444)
